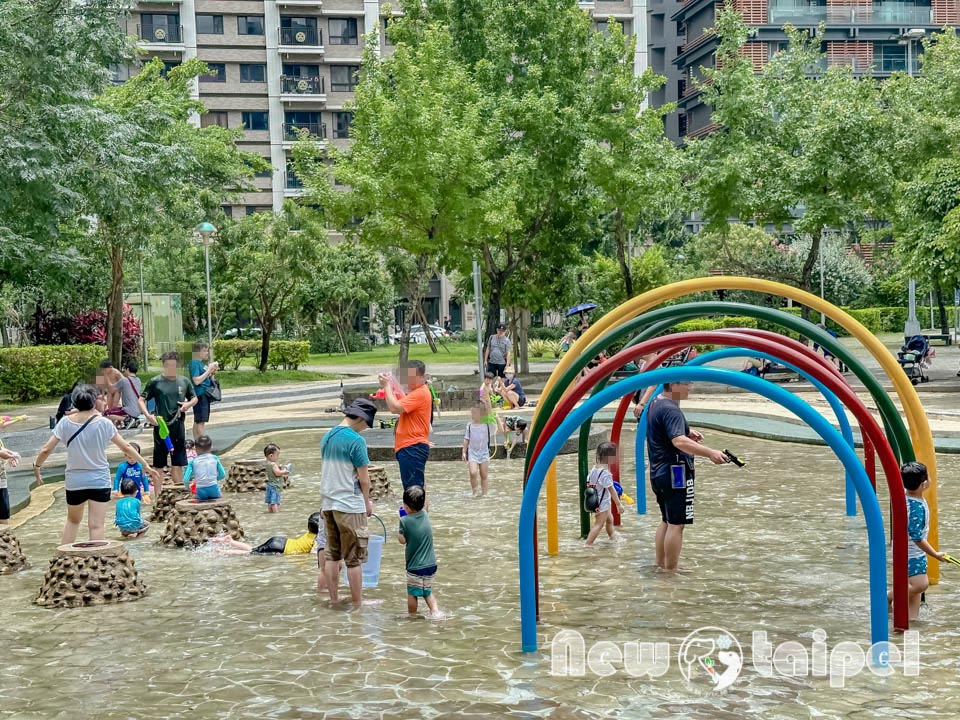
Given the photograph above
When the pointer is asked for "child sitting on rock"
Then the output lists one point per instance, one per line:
(205, 470)
(127, 516)
(277, 545)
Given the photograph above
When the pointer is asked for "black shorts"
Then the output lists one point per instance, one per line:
(79, 497)
(496, 369)
(4, 504)
(273, 546)
(179, 454)
(676, 504)
(201, 411)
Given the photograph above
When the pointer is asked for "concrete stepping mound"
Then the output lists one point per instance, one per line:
(12, 558)
(247, 476)
(193, 523)
(98, 572)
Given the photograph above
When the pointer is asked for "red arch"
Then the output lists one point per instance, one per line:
(807, 361)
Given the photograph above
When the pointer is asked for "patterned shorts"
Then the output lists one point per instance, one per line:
(419, 585)
(917, 566)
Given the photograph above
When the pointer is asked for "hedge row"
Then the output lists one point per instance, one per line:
(30, 373)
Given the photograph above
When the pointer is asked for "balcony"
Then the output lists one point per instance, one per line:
(858, 64)
(292, 186)
(292, 132)
(880, 13)
(160, 37)
(301, 41)
(301, 89)
(300, 3)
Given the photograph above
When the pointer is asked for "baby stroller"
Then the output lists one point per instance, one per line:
(915, 357)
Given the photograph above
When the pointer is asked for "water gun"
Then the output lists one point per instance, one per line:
(734, 459)
(951, 559)
(7, 420)
(164, 432)
(623, 496)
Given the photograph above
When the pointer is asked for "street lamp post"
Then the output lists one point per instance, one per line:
(207, 232)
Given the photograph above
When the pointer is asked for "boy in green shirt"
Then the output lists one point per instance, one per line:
(417, 535)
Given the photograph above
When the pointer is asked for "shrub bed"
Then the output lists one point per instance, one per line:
(30, 373)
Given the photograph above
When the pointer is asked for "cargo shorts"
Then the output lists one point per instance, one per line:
(347, 537)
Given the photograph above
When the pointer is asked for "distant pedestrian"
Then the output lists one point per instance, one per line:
(411, 441)
(497, 355)
(202, 376)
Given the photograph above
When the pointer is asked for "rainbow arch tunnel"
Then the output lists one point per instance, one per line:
(874, 522)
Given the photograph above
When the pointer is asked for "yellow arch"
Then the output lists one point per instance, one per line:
(916, 417)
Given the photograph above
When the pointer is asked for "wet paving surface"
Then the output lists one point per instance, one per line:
(244, 637)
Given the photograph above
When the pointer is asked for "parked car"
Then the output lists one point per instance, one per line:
(419, 336)
(243, 332)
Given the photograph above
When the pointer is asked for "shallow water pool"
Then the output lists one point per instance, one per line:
(239, 637)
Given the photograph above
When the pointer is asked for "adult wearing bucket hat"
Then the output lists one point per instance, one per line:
(345, 495)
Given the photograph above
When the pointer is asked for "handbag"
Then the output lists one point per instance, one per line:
(214, 392)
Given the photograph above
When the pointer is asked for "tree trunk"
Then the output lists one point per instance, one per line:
(341, 336)
(404, 341)
(267, 328)
(944, 323)
(115, 306)
(806, 273)
(620, 236)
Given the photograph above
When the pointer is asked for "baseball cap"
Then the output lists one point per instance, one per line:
(501, 326)
(363, 409)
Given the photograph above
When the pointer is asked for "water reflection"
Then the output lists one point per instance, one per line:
(245, 637)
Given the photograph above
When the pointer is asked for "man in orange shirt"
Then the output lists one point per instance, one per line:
(412, 439)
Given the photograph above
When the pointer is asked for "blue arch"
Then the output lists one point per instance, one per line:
(845, 430)
(879, 619)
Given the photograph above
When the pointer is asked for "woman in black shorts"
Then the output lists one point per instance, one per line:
(87, 479)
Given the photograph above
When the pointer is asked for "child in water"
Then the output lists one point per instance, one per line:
(600, 480)
(416, 535)
(205, 470)
(476, 450)
(915, 481)
(275, 475)
(277, 545)
(127, 514)
(135, 473)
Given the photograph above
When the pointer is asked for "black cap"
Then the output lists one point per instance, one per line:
(363, 409)
(501, 326)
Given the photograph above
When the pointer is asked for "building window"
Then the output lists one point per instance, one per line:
(168, 65)
(160, 28)
(210, 24)
(250, 24)
(251, 73)
(256, 120)
(386, 35)
(343, 31)
(265, 173)
(296, 70)
(892, 57)
(214, 117)
(341, 124)
(253, 209)
(216, 72)
(343, 78)
(299, 31)
(227, 210)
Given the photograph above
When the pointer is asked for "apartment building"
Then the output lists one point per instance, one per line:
(873, 37)
(282, 68)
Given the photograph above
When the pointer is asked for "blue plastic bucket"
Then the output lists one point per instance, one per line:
(371, 568)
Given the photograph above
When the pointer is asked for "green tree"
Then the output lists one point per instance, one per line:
(345, 279)
(797, 144)
(154, 173)
(268, 259)
(633, 170)
(414, 168)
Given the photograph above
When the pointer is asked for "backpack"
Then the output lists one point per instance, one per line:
(591, 498)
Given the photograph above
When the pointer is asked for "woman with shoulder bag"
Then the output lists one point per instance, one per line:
(87, 479)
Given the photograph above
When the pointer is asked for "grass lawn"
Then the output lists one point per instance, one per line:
(386, 355)
(246, 377)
